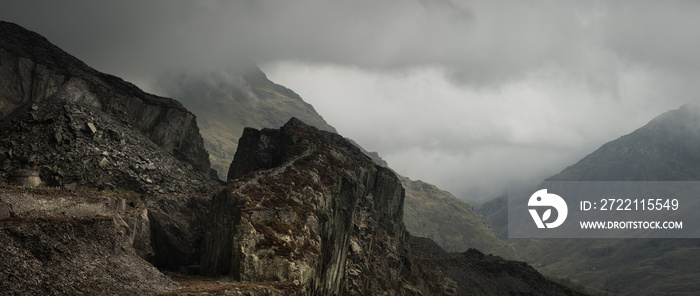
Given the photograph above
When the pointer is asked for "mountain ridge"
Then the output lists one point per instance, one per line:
(28, 44)
(667, 148)
(644, 154)
(34, 70)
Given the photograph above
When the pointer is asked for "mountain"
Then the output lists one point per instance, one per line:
(226, 102)
(130, 195)
(495, 213)
(450, 222)
(230, 101)
(112, 157)
(76, 126)
(666, 149)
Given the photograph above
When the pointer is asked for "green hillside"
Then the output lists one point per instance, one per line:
(450, 222)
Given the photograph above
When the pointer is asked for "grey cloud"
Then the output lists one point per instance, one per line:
(483, 43)
(658, 34)
(475, 142)
(604, 68)
(481, 40)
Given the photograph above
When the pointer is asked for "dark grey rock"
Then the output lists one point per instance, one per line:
(177, 228)
(4, 210)
(34, 70)
(308, 206)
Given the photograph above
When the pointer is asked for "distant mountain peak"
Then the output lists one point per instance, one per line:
(665, 149)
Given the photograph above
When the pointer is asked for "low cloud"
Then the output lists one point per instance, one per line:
(469, 95)
(476, 142)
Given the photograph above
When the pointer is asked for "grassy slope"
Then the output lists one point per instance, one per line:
(450, 222)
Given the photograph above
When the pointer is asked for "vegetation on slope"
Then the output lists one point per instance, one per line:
(226, 103)
(450, 222)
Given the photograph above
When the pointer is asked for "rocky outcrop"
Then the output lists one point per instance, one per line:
(32, 70)
(308, 207)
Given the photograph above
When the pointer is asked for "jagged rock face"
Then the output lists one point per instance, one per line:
(309, 207)
(33, 70)
(72, 144)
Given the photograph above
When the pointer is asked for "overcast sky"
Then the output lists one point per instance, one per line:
(469, 95)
